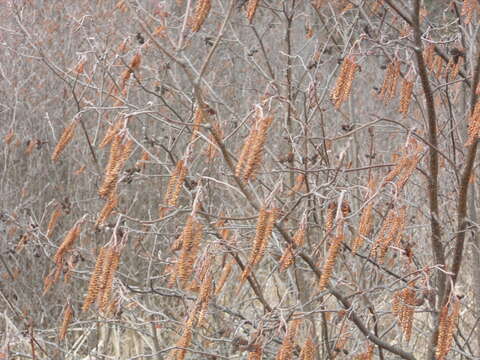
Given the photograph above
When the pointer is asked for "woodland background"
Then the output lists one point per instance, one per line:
(228, 179)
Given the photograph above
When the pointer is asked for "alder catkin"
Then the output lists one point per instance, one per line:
(333, 251)
(405, 97)
(255, 155)
(286, 350)
(66, 137)
(67, 318)
(93, 287)
(53, 220)
(201, 12)
(67, 243)
(252, 6)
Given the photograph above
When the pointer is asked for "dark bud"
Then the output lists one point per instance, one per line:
(140, 38)
(209, 41)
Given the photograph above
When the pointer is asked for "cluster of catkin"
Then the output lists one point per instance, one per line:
(198, 312)
(66, 137)
(120, 150)
(343, 86)
(189, 245)
(288, 256)
(119, 153)
(405, 165)
(174, 187)
(201, 12)
(390, 233)
(474, 125)
(448, 323)
(389, 87)
(252, 151)
(265, 223)
(286, 350)
(403, 306)
(101, 281)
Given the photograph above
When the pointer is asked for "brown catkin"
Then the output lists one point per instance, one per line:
(288, 256)
(93, 287)
(113, 167)
(257, 352)
(467, 10)
(428, 55)
(9, 137)
(67, 243)
(188, 255)
(389, 87)
(403, 305)
(257, 241)
(201, 12)
(474, 125)
(211, 150)
(344, 82)
(287, 259)
(286, 350)
(333, 251)
(447, 328)
(227, 269)
(245, 152)
(107, 287)
(198, 119)
(385, 236)
(405, 97)
(112, 131)
(67, 318)
(272, 217)
(107, 209)
(53, 220)
(255, 156)
(330, 216)
(66, 137)
(364, 227)
(308, 350)
(181, 174)
(47, 283)
(252, 6)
